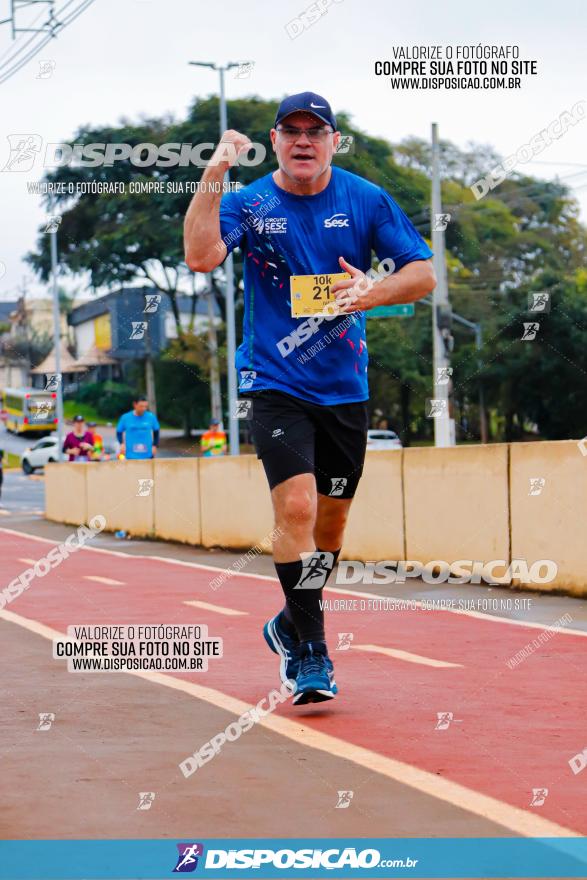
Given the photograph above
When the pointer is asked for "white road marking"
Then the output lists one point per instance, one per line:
(219, 609)
(481, 615)
(513, 818)
(405, 655)
(110, 582)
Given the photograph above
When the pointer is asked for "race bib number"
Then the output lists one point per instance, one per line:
(310, 294)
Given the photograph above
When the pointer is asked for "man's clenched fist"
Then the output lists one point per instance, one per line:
(231, 146)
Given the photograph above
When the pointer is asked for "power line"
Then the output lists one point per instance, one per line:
(84, 4)
(423, 224)
(512, 198)
(545, 162)
(19, 39)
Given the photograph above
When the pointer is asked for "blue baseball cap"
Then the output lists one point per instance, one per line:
(306, 102)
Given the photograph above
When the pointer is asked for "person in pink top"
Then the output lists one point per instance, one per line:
(79, 442)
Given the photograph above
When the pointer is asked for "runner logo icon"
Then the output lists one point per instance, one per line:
(247, 379)
(187, 860)
(315, 569)
(344, 800)
(338, 486)
(23, 151)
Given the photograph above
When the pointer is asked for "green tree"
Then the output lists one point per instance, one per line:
(524, 236)
(181, 375)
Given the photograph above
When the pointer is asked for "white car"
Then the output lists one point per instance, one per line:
(39, 454)
(377, 439)
(45, 450)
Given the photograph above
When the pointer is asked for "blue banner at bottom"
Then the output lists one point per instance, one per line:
(276, 858)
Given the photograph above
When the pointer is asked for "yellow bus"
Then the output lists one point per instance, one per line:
(28, 409)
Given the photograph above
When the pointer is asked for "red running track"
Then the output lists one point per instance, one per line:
(513, 729)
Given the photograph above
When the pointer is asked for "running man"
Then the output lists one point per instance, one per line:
(138, 431)
(306, 376)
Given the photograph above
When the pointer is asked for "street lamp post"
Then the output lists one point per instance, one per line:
(477, 329)
(215, 398)
(443, 426)
(229, 286)
(57, 343)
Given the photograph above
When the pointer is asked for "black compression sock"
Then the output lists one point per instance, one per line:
(287, 622)
(335, 555)
(302, 584)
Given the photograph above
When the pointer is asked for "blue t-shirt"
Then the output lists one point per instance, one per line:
(282, 234)
(138, 433)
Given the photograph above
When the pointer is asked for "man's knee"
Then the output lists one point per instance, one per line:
(295, 508)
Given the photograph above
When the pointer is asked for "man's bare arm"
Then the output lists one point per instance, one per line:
(203, 246)
(410, 283)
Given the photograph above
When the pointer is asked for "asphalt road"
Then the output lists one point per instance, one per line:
(511, 728)
(22, 506)
(21, 495)
(115, 735)
(15, 443)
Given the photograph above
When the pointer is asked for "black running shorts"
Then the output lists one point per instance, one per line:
(293, 436)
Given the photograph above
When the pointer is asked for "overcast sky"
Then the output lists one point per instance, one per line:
(129, 58)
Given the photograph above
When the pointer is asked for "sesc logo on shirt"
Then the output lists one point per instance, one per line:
(269, 225)
(351, 217)
(337, 220)
(275, 224)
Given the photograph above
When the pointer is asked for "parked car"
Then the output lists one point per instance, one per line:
(45, 450)
(378, 439)
(39, 454)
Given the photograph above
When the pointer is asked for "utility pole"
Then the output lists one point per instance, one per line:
(57, 341)
(150, 387)
(233, 422)
(215, 398)
(444, 430)
(482, 411)
(477, 329)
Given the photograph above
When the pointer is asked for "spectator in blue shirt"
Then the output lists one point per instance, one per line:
(138, 431)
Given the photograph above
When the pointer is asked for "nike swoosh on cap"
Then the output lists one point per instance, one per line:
(318, 106)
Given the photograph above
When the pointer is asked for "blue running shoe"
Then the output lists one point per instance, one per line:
(315, 682)
(285, 645)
